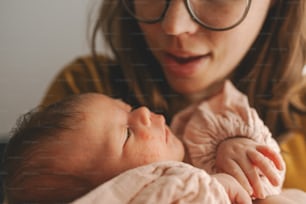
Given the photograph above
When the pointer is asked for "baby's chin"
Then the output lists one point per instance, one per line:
(179, 150)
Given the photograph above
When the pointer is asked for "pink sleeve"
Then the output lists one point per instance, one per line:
(162, 182)
(225, 115)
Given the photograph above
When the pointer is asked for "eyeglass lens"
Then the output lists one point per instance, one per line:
(210, 13)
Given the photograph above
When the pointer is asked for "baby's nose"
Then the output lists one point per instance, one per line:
(142, 115)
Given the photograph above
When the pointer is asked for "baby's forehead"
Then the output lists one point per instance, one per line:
(96, 96)
(106, 100)
(123, 104)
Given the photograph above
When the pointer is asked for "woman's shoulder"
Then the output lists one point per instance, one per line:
(87, 64)
(293, 144)
(293, 151)
(81, 75)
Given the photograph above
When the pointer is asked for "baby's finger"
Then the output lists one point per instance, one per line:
(272, 155)
(265, 166)
(236, 172)
(242, 197)
(252, 175)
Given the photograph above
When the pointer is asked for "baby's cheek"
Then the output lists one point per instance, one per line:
(154, 157)
(145, 137)
(152, 154)
(148, 150)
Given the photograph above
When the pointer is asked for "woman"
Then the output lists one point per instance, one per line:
(169, 54)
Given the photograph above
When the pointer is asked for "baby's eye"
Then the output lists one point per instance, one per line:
(128, 133)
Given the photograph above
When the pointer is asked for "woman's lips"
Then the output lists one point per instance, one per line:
(184, 60)
(183, 66)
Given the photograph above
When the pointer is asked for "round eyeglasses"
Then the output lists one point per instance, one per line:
(217, 15)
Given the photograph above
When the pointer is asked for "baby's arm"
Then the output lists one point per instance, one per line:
(226, 116)
(248, 161)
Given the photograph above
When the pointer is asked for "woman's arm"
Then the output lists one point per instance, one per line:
(288, 196)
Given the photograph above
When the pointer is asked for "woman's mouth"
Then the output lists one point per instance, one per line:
(183, 66)
(184, 60)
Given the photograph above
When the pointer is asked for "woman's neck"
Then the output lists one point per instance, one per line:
(192, 98)
(181, 101)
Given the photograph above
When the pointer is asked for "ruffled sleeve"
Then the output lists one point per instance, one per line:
(223, 116)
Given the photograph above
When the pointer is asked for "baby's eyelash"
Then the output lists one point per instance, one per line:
(128, 133)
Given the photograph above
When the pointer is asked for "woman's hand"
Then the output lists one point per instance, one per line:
(239, 156)
(236, 193)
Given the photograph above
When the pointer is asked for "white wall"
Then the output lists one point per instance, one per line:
(37, 38)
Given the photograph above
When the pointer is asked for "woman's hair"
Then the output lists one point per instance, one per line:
(275, 61)
(270, 68)
(33, 161)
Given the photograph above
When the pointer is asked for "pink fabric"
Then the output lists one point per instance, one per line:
(202, 127)
(227, 114)
(163, 182)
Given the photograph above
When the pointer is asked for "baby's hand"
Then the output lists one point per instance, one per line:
(235, 191)
(239, 156)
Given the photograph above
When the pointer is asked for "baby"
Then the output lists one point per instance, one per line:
(81, 142)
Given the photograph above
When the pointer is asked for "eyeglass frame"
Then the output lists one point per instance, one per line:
(192, 15)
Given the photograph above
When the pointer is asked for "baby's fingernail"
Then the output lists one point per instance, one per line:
(276, 180)
(283, 165)
(262, 195)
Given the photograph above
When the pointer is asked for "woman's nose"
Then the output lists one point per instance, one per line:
(177, 19)
(142, 115)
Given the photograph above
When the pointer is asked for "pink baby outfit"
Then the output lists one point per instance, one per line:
(228, 114)
(161, 182)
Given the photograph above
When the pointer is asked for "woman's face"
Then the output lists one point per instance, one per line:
(193, 57)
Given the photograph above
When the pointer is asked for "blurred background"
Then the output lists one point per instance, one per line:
(37, 38)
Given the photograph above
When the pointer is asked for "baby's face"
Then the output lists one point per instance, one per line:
(118, 138)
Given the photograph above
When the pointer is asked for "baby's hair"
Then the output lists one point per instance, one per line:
(32, 175)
